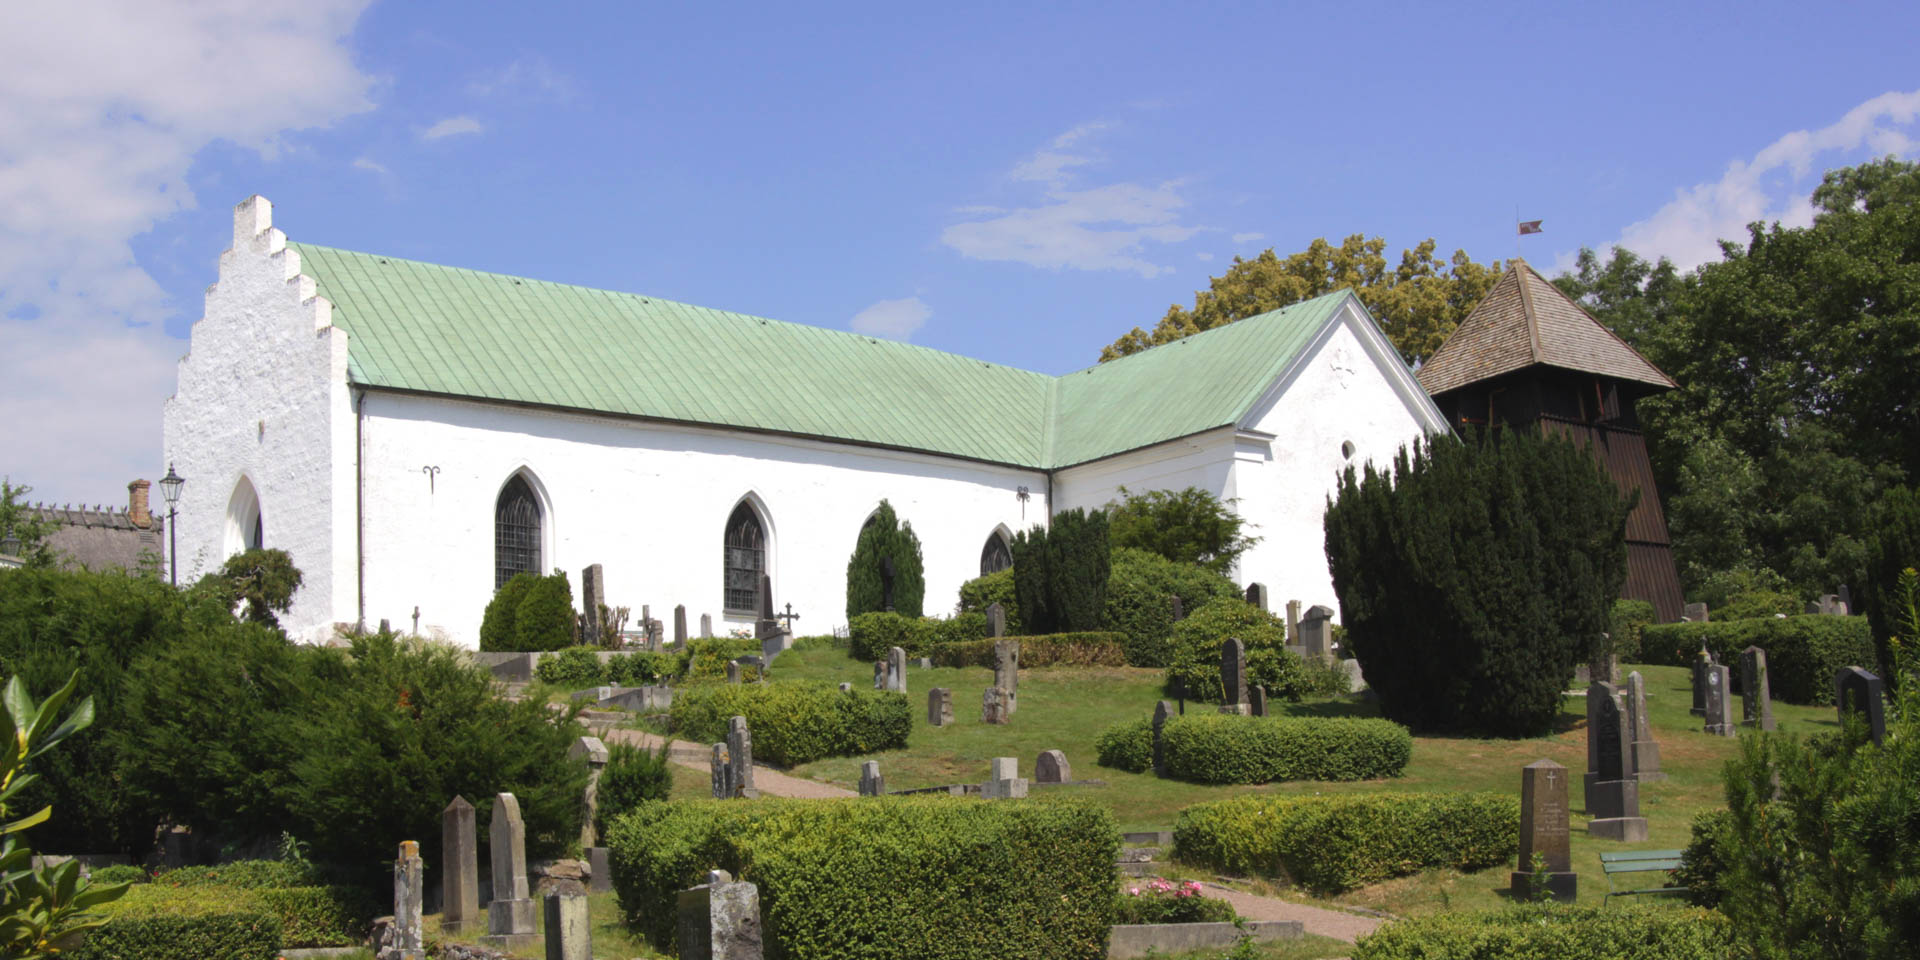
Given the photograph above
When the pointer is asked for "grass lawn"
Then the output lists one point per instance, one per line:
(1067, 708)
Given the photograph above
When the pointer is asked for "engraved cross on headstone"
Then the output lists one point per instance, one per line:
(789, 617)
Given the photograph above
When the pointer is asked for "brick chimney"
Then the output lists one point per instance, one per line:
(137, 504)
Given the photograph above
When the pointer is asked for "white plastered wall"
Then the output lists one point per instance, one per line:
(649, 503)
(261, 395)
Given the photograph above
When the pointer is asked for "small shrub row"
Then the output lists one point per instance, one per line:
(871, 635)
(1157, 900)
(231, 935)
(1127, 745)
(240, 874)
(937, 878)
(1529, 931)
(577, 667)
(1227, 748)
(1329, 844)
(189, 914)
(1803, 652)
(795, 723)
(1052, 650)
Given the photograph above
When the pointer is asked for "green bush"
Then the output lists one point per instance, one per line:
(872, 634)
(1140, 591)
(633, 776)
(120, 873)
(1803, 652)
(1531, 931)
(706, 658)
(1060, 573)
(1756, 604)
(1703, 864)
(1329, 844)
(1190, 526)
(243, 875)
(1624, 623)
(545, 620)
(497, 630)
(1052, 650)
(643, 667)
(978, 594)
(960, 628)
(319, 916)
(572, 668)
(931, 877)
(1157, 900)
(1474, 575)
(1895, 547)
(795, 723)
(1228, 748)
(1127, 745)
(301, 915)
(265, 580)
(884, 538)
(154, 922)
(1324, 678)
(1197, 641)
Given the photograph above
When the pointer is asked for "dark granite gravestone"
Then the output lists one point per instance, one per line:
(1616, 794)
(1859, 691)
(1233, 675)
(1700, 663)
(766, 626)
(939, 707)
(1756, 696)
(1052, 767)
(1161, 711)
(1596, 691)
(1257, 700)
(1719, 707)
(1257, 595)
(1544, 831)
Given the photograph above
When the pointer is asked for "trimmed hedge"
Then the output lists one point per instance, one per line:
(1052, 650)
(1530, 931)
(1803, 652)
(1194, 651)
(201, 922)
(1329, 844)
(573, 668)
(937, 878)
(243, 875)
(1140, 591)
(309, 914)
(795, 723)
(319, 916)
(1228, 748)
(1127, 745)
(870, 635)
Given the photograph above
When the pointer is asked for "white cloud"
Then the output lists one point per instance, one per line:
(1240, 238)
(893, 319)
(1770, 186)
(531, 78)
(1095, 228)
(452, 127)
(370, 165)
(1203, 257)
(103, 106)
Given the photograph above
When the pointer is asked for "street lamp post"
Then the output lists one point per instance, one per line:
(170, 488)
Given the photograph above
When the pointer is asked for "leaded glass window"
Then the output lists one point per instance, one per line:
(995, 556)
(746, 556)
(516, 532)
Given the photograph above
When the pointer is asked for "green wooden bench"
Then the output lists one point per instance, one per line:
(1640, 861)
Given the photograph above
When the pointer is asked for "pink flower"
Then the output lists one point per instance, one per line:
(1134, 891)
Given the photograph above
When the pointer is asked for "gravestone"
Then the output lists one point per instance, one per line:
(1700, 663)
(680, 623)
(1756, 695)
(510, 915)
(993, 706)
(846, 687)
(766, 626)
(1720, 702)
(1233, 675)
(1597, 691)
(1544, 831)
(593, 596)
(1006, 671)
(1179, 609)
(897, 670)
(1695, 612)
(1859, 691)
(719, 920)
(1052, 767)
(996, 621)
(733, 671)
(600, 869)
(740, 759)
(871, 783)
(1004, 781)
(385, 626)
(1616, 795)
(1293, 623)
(1316, 632)
(1645, 753)
(1257, 700)
(1257, 595)
(939, 707)
(409, 887)
(459, 868)
(1161, 712)
(569, 932)
(879, 674)
(706, 626)
(722, 777)
(594, 752)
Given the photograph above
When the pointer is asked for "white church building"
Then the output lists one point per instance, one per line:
(413, 434)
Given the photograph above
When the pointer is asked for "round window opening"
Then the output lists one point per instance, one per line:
(1346, 450)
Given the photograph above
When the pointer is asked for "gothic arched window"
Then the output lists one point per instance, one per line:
(746, 549)
(996, 555)
(516, 532)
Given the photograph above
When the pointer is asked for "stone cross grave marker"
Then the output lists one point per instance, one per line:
(1616, 795)
(510, 915)
(1257, 700)
(1316, 632)
(1161, 712)
(1233, 675)
(1857, 690)
(1544, 831)
(1645, 753)
(1756, 695)
(896, 670)
(459, 868)
(993, 706)
(719, 920)
(740, 759)
(569, 931)
(680, 623)
(594, 752)
(1006, 671)
(1257, 595)
(996, 621)
(871, 783)
(1052, 767)
(409, 882)
(939, 707)
(1720, 702)
(1004, 781)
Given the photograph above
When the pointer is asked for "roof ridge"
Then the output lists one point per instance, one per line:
(1622, 341)
(1527, 309)
(1107, 364)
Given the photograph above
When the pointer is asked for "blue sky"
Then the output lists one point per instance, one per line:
(1019, 183)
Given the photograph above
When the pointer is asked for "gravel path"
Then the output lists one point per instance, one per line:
(768, 781)
(1338, 924)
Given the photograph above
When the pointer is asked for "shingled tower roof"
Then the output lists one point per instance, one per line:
(1524, 321)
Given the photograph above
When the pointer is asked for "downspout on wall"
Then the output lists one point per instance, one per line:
(360, 511)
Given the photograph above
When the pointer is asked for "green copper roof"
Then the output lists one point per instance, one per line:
(421, 327)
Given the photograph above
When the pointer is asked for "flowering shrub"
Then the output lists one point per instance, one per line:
(1158, 900)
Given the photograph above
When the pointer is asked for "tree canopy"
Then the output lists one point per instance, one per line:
(1417, 303)
(25, 524)
(1185, 526)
